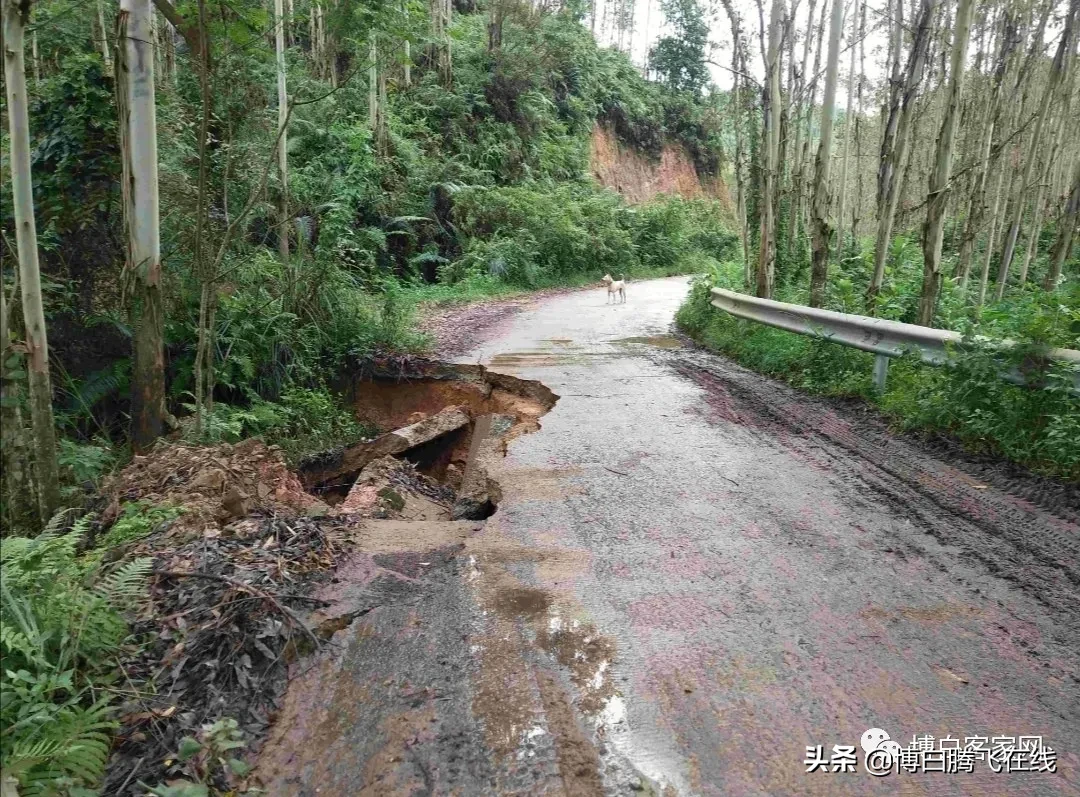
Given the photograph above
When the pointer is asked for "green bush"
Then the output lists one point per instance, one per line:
(58, 637)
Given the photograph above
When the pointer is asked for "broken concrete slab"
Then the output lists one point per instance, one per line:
(391, 488)
(479, 494)
(355, 458)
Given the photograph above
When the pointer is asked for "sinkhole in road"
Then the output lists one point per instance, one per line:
(450, 422)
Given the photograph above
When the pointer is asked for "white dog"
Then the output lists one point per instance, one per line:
(615, 287)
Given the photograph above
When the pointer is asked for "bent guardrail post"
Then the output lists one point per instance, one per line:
(878, 336)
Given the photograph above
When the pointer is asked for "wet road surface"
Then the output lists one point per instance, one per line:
(693, 574)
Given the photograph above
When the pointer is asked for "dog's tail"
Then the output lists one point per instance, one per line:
(622, 277)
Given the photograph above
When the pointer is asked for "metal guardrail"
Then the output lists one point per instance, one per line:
(876, 335)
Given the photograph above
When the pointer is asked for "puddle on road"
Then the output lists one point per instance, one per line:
(586, 653)
(584, 712)
(579, 647)
(549, 359)
(523, 601)
(659, 341)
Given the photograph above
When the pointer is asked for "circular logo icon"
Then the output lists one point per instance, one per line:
(872, 739)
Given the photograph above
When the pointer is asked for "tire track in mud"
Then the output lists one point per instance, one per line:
(1023, 529)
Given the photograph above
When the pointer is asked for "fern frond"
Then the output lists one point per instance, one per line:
(74, 745)
(125, 583)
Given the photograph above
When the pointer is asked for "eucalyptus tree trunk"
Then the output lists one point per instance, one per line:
(1059, 67)
(138, 148)
(822, 230)
(740, 148)
(19, 496)
(103, 43)
(373, 85)
(771, 140)
(1040, 195)
(283, 149)
(990, 239)
(439, 11)
(847, 138)
(890, 114)
(802, 156)
(859, 171)
(1066, 230)
(16, 14)
(204, 272)
(407, 78)
(893, 160)
(798, 88)
(34, 57)
(938, 197)
(381, 134)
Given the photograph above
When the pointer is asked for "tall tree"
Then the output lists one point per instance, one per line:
(738, 56)
(770, 102)
(847, 135)
(822, 230)
(138, 146)
(1043, 182)
(439, 53)
(938, 197)
(18, 504)
(283, 110)
(890, 112)
(679, 58)
(16, 14)
(894, 156)
(977, 204)
(103, 41)
(991, 237)
(798, 90)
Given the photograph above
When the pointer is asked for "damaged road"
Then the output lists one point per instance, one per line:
(672, 580)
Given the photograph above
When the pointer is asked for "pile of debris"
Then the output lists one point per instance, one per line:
(449, 444)
(212, 484)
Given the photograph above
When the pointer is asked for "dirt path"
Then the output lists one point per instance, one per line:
(693, 574)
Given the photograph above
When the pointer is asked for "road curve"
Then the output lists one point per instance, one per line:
(694, 573)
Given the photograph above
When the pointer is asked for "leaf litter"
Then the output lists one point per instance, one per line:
(230, 598)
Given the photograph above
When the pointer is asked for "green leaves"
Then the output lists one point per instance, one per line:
(189, 747)
(55, 636)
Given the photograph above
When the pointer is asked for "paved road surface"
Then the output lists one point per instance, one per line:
(696, 572)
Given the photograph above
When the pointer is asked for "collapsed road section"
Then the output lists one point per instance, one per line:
(273, 585)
